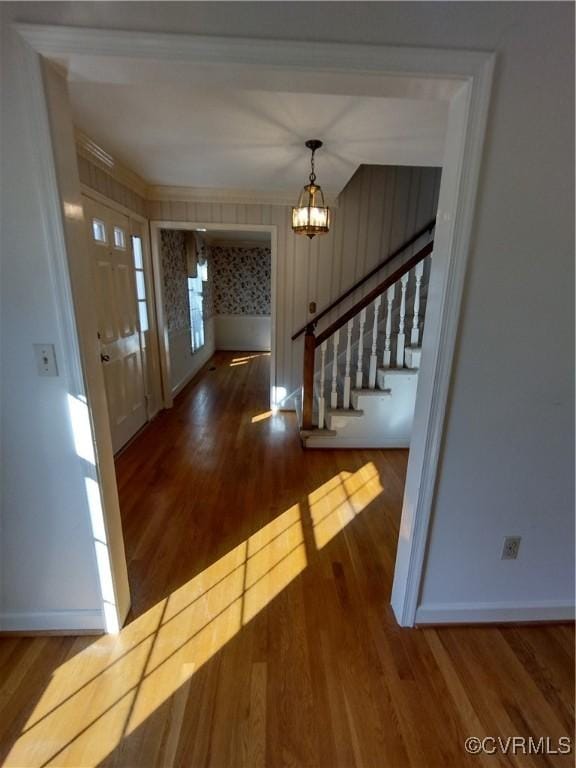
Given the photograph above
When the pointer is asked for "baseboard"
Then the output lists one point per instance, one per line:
(352, 442)
(64, 622)
(204, 356)
(494, 613)
(244, 348)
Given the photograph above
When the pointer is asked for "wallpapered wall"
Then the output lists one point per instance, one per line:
(176, 310)
(175, 274)
(238, 280)
(241, 279)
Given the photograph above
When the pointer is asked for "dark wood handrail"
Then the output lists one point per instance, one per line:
(369, 298)
(428, 228)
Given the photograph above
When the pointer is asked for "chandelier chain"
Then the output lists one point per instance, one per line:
(312, 176)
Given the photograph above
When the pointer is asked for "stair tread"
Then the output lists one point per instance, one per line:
(397, 371)
(371, 392)
(305, 433)
(344, 412)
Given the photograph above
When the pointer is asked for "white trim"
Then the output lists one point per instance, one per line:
(47, 621)
(161, 325)
(319, 441)
(230, 195)
(98, 197)
(97, 155)
(465, 138)
(480, 613)
(288, 54)
(471, 70)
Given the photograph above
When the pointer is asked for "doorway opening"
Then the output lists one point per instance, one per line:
(215, 291)
(461, 79)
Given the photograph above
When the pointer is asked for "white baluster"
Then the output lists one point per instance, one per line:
(360, 349)
(401, 342)
(346, 397)
(321, 399)
(373, 358)
(334, 392)
(415, 332)
(389, 301)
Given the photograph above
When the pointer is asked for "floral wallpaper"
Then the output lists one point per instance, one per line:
(175, 279)
(240, 280)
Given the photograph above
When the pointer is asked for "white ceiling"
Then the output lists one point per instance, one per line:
(212, 128)
(221, 236)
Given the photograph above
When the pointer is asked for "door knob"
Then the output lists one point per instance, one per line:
(104, 358)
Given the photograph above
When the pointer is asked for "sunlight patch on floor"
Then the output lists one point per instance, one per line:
(261, 417)
(337, 502)
(246, 359)
(106, 691)
(120, 681)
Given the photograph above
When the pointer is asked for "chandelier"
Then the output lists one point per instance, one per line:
(311, 216)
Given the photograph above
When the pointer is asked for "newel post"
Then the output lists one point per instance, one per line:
(308, 377)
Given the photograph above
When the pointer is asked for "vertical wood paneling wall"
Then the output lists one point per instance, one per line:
(96, 178)
(380, 207)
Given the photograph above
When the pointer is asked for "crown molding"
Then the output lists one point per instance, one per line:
(89, 149)
(97, 155)
(230, 195)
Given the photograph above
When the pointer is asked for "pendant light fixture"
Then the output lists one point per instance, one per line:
(311, 216)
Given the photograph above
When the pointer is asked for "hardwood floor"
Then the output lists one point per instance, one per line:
(260, 633)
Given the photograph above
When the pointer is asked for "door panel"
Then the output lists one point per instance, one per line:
(118, 326)
(106, 310)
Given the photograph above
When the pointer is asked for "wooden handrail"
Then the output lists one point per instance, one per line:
(428, 228)
(369, 298)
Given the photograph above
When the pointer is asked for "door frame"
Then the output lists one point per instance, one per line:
(472, 71)
(163, 342)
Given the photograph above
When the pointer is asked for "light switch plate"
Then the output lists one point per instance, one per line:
(45, 355)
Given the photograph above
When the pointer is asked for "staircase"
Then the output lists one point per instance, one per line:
(361, 372)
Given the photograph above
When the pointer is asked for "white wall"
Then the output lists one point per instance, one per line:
(245, 333)
(49, 575)
(185, 364)
(507, 462)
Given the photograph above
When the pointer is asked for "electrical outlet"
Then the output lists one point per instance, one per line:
(511, 547)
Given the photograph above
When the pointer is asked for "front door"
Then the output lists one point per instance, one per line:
(118, 322)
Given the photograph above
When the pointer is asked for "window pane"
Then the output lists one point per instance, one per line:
(143, 312)
(140, 285)
(119, 238)
(137, 248)
(99, 230)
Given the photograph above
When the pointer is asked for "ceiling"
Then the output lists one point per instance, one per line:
(236, 236)
(212, 128)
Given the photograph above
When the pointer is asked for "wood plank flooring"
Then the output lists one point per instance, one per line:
(260, 634)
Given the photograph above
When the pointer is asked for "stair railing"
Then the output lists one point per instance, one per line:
(311, 341)
(421, 232)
